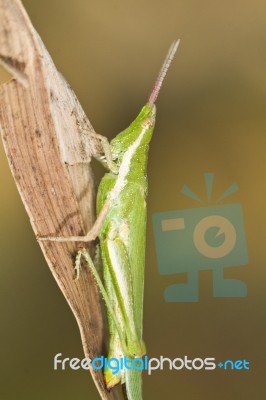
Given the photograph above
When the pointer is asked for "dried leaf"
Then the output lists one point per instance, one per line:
(48, 155)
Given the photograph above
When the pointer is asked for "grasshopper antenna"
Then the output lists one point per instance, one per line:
(163, 71)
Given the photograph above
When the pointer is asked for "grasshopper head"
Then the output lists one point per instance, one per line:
(142, 127)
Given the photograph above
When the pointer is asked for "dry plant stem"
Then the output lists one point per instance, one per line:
(47, 154)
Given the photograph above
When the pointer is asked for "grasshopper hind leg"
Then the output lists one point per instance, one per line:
(85, 254)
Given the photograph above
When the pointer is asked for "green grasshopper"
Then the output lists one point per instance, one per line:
(121, 227)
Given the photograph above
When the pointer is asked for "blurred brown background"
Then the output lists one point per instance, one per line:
(211, 118)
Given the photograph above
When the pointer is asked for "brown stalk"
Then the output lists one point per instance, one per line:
(48, 156)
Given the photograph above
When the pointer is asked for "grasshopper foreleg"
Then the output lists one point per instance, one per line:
(107, 161)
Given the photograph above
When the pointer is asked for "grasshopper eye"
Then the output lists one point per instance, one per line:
(148, 123)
